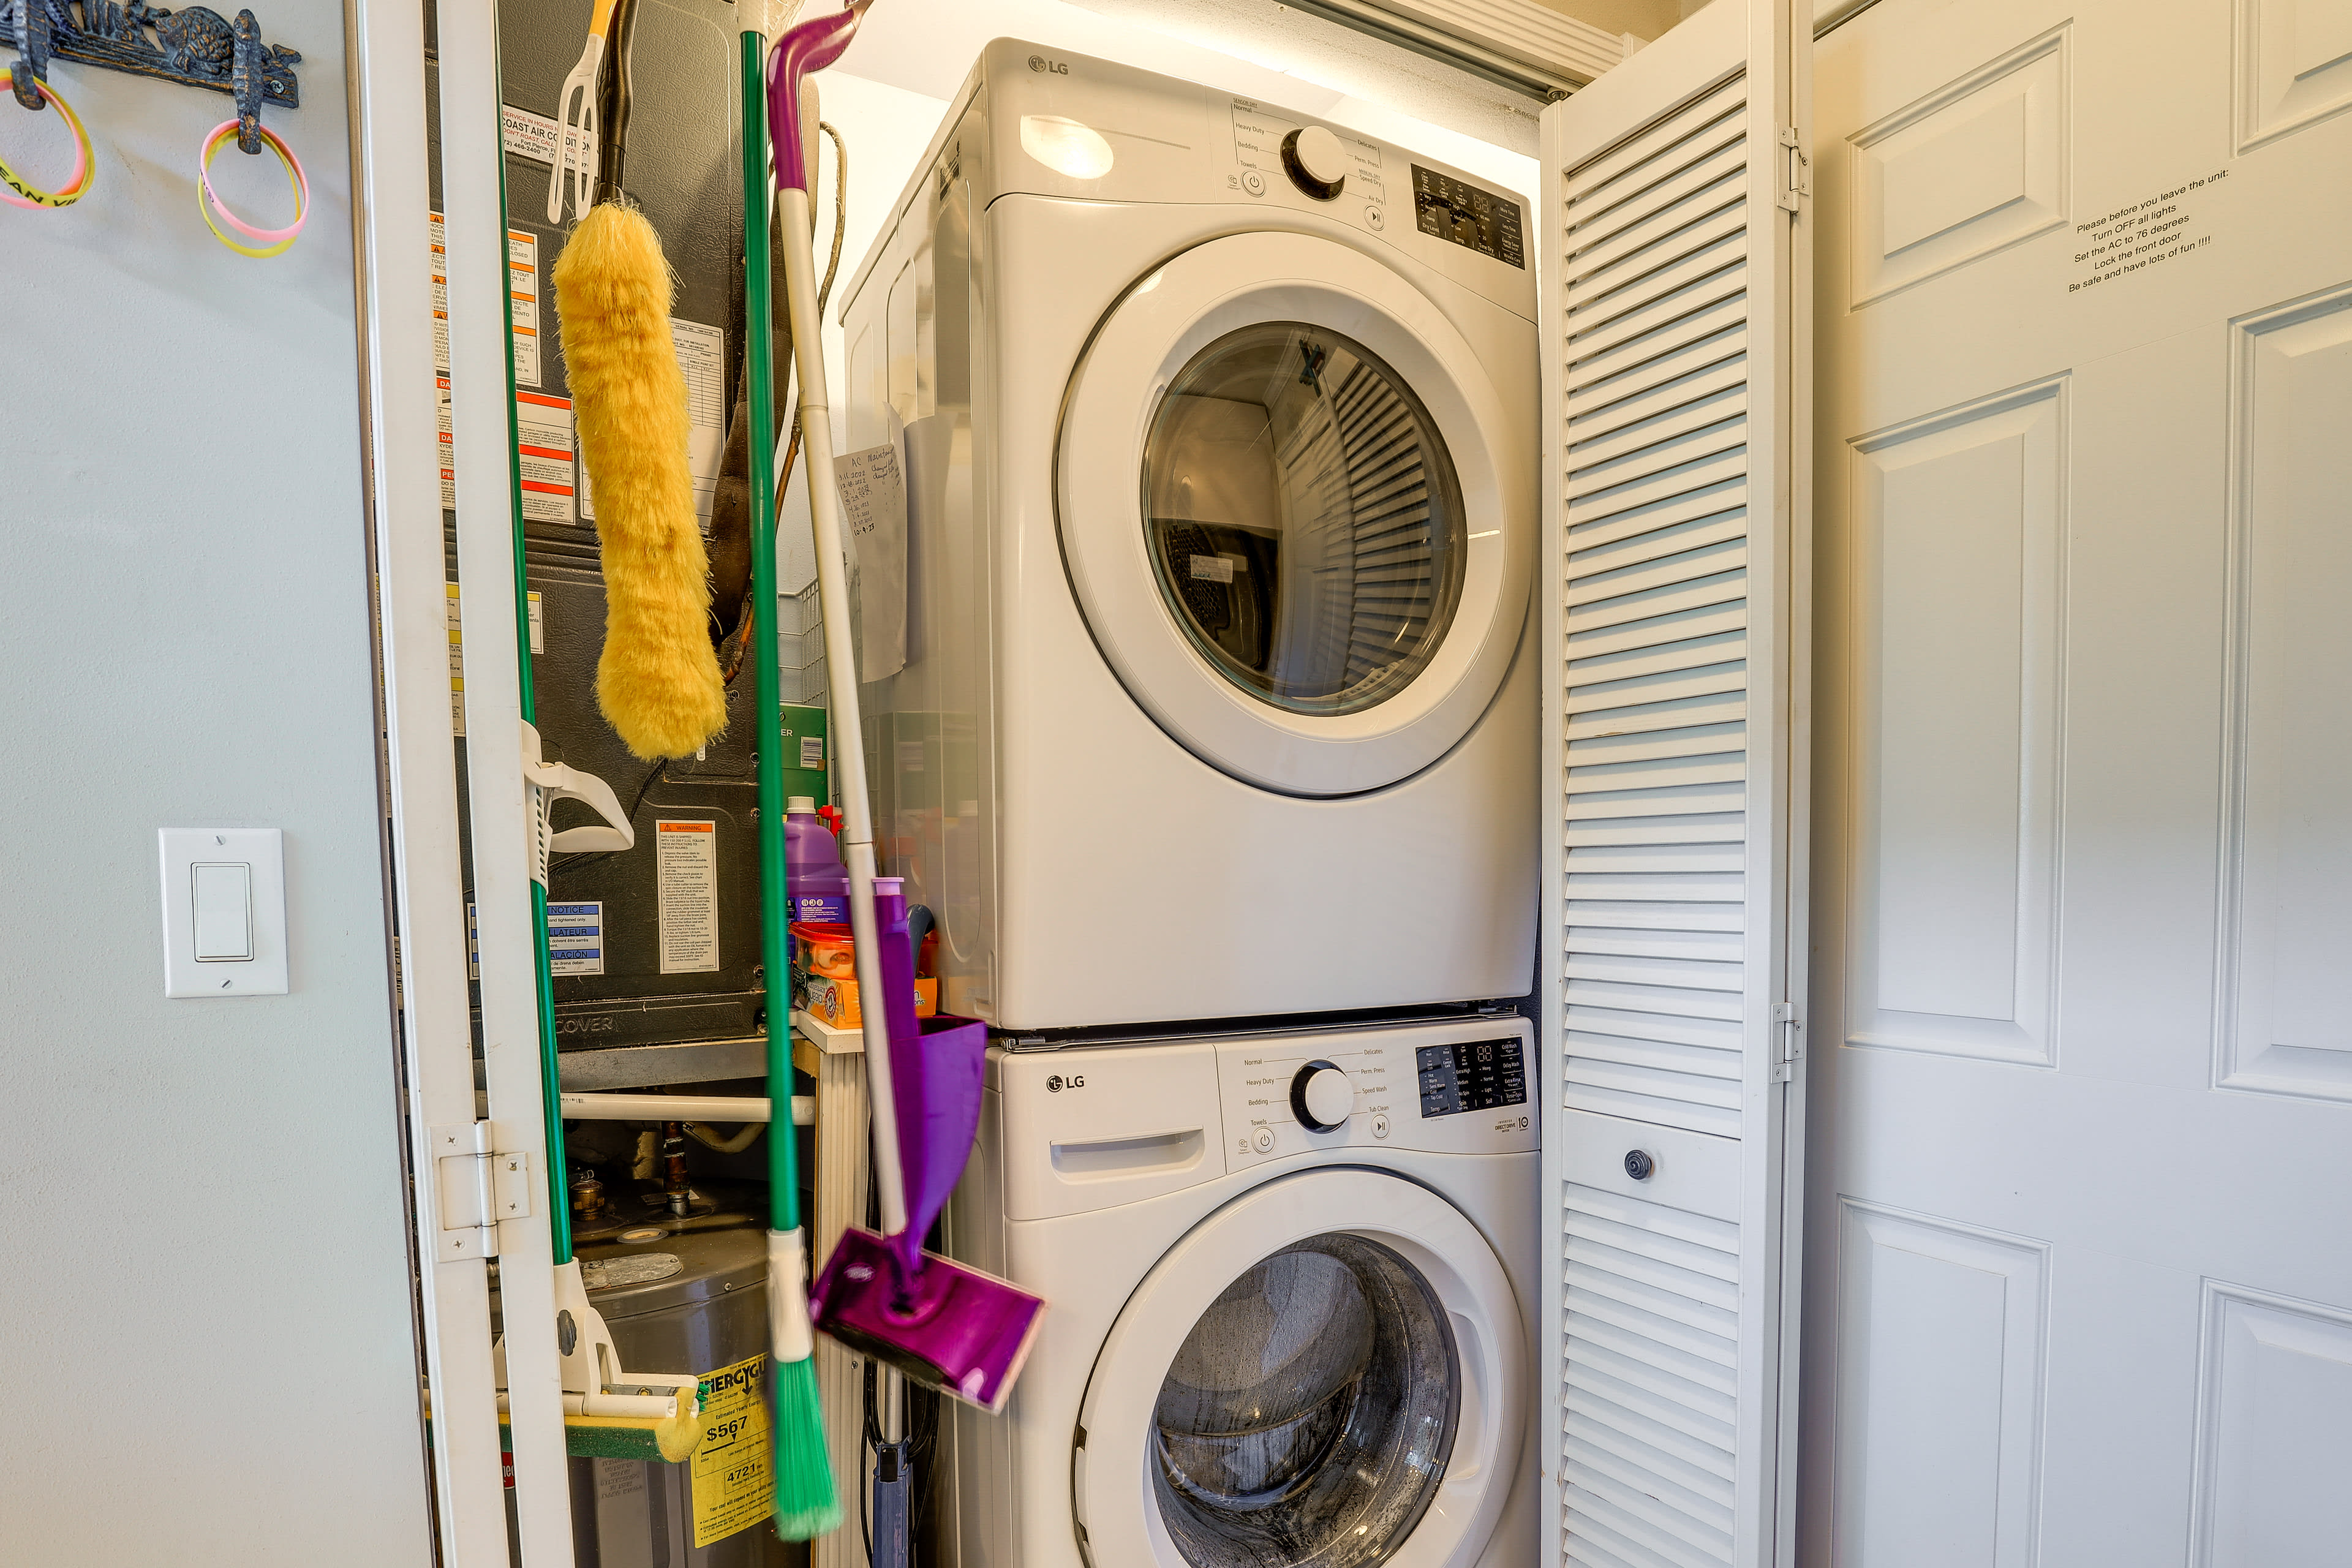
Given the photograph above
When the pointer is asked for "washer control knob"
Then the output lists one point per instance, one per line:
(1316, 162)
(1322, 1097)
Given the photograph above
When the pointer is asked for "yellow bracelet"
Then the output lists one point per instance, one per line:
(280, 240)
(22, 193)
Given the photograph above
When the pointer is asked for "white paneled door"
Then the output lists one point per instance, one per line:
(1675, 293)
(2080, 1276)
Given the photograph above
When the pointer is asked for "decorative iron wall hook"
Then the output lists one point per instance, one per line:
(244, 80)
(194, 46)
(34, 22)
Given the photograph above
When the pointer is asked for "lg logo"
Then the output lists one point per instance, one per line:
(1055, 1084)
(1054, 67)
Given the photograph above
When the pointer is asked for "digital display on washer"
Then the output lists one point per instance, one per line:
(1476, 1075)
(1475, 219)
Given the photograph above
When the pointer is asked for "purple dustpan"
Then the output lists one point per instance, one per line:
(936, 1070)
(956, 1329)
(942, 1324)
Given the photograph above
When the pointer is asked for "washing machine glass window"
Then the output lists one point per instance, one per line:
(1310, 1413)
(1303, 518)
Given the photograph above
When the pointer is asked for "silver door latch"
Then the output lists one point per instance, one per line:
(1787, 1041)
(1796, 168)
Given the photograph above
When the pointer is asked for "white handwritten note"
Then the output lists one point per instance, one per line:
(874, 515)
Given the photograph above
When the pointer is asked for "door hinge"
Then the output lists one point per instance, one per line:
(1788, 1041)
(475, 1187)
(1796, 168)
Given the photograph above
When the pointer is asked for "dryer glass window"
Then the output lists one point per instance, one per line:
(1305, 519)
(1308, 1416)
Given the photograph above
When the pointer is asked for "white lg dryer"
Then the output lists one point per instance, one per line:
(1290, 1279)
(1209, 698)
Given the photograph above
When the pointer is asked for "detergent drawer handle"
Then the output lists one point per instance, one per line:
(1145, 1152)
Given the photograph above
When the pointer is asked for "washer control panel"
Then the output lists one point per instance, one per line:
(1455, 1087)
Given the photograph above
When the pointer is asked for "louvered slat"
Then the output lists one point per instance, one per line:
(1646, 1430)
(1656, 529)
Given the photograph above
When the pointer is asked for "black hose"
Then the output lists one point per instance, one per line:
(613, 103)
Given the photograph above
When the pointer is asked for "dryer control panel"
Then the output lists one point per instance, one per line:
(1457, 1087)
(1472, 1075)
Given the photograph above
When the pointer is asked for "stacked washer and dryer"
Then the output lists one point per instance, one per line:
(1209, 733)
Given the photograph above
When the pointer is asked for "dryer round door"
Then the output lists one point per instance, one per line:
(1296, 513)
(1327, 1372)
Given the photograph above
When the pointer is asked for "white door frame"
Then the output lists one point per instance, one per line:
(397, 309)
(393, 239)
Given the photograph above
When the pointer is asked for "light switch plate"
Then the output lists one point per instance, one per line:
(263, 849)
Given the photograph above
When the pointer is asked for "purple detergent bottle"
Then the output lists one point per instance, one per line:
(813, 869)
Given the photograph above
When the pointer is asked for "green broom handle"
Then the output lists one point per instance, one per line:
(558, 1174)
(775, 905)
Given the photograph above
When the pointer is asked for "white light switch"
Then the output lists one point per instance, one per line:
(224, 911)
(224, 905)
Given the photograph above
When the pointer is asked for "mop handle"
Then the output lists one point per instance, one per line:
(841, 678)
(848, 723)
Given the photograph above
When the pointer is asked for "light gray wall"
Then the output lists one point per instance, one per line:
(206, 1346)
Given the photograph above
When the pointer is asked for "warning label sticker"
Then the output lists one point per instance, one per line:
(456, 663)
(441, 356)
(543, 439)
(686, 875)
(522, 291)
(732, 1489)
(575, 939)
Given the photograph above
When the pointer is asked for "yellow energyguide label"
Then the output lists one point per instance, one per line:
(731, 1468)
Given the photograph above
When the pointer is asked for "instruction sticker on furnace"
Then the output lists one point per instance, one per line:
(701, 356)
(543, 447)
(686, 875)
(456, 661)
(731, 1470)
(575, 939)
(522, 303)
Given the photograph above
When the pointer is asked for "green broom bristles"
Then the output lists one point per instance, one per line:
(807, 1505)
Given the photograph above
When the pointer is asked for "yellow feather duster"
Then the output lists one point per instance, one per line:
(657, 681)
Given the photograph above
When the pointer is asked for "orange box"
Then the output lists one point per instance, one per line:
(834, 1002)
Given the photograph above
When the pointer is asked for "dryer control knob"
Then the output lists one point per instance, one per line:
(1322, 1097)
(1316, 162)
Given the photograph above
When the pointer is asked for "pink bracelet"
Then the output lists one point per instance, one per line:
(20, 193)
(273, 241)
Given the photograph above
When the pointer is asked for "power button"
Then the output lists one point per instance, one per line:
(1263, 1140)
(1254, 182)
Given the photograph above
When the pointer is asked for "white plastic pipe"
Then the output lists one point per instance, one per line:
(680, 1107)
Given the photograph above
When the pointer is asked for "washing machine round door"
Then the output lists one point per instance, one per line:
(1298, 517)
(1327, 1372)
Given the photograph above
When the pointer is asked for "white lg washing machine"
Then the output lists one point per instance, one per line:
(1209, 699)
(1289, 1280)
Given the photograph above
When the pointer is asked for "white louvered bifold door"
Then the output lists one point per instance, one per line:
(1674, 267)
